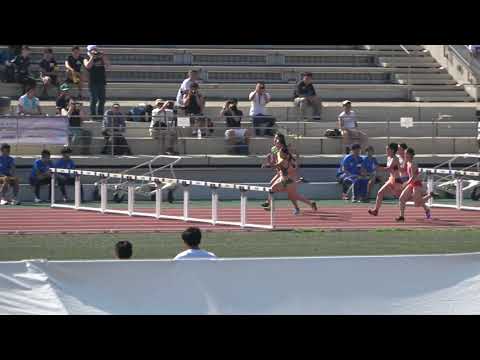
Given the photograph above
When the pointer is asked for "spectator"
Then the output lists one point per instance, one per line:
(114, 127)
(140, 113)
(22, 69)
(474, 50)
(28, 104)
(7, 176)
(192, 238)
(164, 126)
(347, 123)
(73, 68)
(6, 58)
(123, 250)
(259, 98)
(305, 96)
(63, 99)
(349, 171)
(194, 103)
(370, 165)
(41, 175)
(96, 65)
(185, 87)
(66, 179)
(237, 139)
(78, 136)
(48, 71)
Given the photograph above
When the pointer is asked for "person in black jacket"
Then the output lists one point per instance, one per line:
(96, 65)
(306, 96)
(22, 69)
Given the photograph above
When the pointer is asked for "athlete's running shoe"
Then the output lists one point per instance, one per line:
(428, 215)
(314, 206)
(373, 212)
(296, 211)
(266, 204)
(3, 202)
(302, 180)
(400, 219)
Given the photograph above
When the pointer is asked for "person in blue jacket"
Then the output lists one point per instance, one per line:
(350, 170)
(66, 179)
(41, 174)
(370, 165)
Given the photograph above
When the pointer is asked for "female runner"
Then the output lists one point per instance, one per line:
(393, 186)
(413, 189)
(286, 177)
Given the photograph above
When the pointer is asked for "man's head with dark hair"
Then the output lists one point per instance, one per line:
(48, 51)
(5, 149)
(123, 250)
(76, 47)
(404, 146)
(45, 154)
(192, 237)
(193, 74)
(307, 77)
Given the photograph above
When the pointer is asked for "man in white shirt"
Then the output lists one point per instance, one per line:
(163, 126)
(192, 238)
(185, 87)
(259, 98)
(347, 123)
(29, 104)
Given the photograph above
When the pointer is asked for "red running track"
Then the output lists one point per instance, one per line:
(17, 220)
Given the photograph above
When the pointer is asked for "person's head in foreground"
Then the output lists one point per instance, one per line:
(5, 150)
(123, 250)
(347, 105)
(392, 149)
(192, 237)
(66, 153)
(356, 148)
(307, 78)
(279, 141)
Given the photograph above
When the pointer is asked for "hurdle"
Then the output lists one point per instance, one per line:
(459, 179)
(243, 190)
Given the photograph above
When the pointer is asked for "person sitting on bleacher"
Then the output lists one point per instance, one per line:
(22, 69)
(114, 127)
(48, 71)
(6, 58)
(41, 175)
(350, 170)
(237, 138)
(7, 176)
(348, 125)
(164, 126)
(305, 95)
(66, 179)
(370, 165)
(29, 104)
(63, 99)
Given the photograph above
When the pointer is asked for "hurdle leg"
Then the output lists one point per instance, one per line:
(459, 193)
(78, 195)
(271, 199)
(103, 195)
(214, 206)
(243, 208)
(158, 201)
(131, 199)
(52, 188)
(186, 200)
(430, 189)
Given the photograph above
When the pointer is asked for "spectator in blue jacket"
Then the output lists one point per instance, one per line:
(41, 175)
(7, 176)
(350, 169)
(370, 165)
(66, 179)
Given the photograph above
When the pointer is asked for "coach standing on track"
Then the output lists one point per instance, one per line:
(96, 65)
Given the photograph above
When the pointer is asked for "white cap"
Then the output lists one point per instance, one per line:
(91, 47)
(346, 102)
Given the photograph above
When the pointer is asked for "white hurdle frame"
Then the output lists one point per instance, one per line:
(458, 174)
(213, 186)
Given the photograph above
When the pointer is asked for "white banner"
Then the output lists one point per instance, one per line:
(34, 130)
(429, 284)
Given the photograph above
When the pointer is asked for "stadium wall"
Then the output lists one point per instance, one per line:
(429, 284)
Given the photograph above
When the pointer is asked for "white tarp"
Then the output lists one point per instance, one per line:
(34, 130)
(431, 284)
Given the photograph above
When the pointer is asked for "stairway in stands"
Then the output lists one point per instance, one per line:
(416, 66)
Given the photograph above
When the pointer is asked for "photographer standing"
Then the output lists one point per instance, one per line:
(259, 99)
(96, 65)
(163, 126)
(194, 103)
(237, 139)
(78, 136)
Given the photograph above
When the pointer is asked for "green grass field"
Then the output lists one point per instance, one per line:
(243, 244)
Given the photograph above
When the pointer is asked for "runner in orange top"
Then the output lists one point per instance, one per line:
(285, 180)
(393, 186)
(413, 189)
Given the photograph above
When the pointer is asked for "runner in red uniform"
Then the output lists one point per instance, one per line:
(413, 189)
(393, 186)
(286, 177)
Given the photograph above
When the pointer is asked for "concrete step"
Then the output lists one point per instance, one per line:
(465, 98)
(414, 76)
(394, 47)
(427, 81)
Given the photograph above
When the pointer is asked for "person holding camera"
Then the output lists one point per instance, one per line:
(185, 87)
(48, 71)
(114, 127)
(194, 103)
(22, 69)
(73, 68)
(237, 139)
(259, 99)
(96, 65)
(164, 126)
(78, 136)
